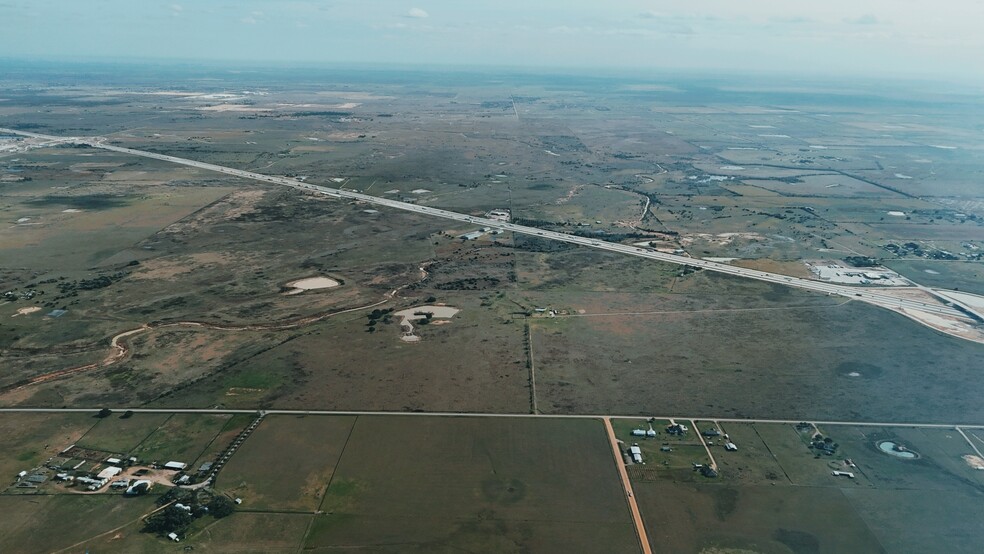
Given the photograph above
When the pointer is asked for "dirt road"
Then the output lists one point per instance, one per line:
(627, 486)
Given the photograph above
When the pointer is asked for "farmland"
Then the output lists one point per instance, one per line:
(776, 495)
(132, 283)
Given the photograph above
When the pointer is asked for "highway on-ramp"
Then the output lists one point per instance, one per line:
(869, 295)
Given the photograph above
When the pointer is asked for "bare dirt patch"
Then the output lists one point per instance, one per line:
(311, 283)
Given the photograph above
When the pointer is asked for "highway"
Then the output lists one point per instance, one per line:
(869, 295)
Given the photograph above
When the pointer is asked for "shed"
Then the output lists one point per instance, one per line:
(636, 453)
(114, 461)
(109, 472)
(175, 465)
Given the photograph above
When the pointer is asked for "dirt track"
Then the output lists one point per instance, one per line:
(120, 350)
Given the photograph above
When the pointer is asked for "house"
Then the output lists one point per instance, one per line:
(676, 429)
(175, 465)
(114, 461)
(709, 472)
(121, 484)
(636, 453)
(712, 432)
(173, 537)
(22, 475)
(205, 467)
(730, 446)
(638, 432)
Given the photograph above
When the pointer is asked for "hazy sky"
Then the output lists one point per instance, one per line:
(825, 36)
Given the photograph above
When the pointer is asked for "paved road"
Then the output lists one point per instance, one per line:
(627, 488)
(120, 410)
(869, 295)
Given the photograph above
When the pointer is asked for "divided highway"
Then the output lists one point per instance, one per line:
(872, 296)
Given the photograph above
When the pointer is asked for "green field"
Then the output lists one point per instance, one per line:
(120, 435)
(761, 519)
(183, 437)
(27, 440)
(287, 463)
(46, 523)
(506, 485)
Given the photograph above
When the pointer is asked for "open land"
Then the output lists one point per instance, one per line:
(132, 282)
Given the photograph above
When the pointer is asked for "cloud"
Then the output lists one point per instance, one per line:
(253, 18)
(176, 9)
(651, 14)
(792, 19)
(866, 19)
(417, 13)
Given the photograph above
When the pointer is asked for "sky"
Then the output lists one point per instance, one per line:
(841, 37)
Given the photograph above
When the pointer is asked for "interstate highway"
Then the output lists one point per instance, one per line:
(871, 296)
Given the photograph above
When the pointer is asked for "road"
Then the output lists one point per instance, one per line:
(121, 409)
(869, 295)
(627, 488)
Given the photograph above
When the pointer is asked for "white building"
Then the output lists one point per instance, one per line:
(636, 453)
(109, 473)
(175, 465)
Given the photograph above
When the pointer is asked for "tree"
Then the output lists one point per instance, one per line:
(104, 412)
(220, 506)
(171, 520)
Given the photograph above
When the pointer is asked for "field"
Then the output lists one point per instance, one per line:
(492, 484)
(744, 358)
(118, 435)
(130, 282)
(282, 467)
(774, 494)
(90, 515)
(27, 440)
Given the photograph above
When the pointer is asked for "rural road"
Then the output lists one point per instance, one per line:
(869, 295)
(627, 487)
(480, 414)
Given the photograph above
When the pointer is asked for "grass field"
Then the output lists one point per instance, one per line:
(183, 437)
(27, 440)
(122, 435)
(762, 519)
(287, 463)
(772, 363)
(490, 485)
(47, 523)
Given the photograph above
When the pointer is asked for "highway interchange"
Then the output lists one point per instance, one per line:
(869, 295)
